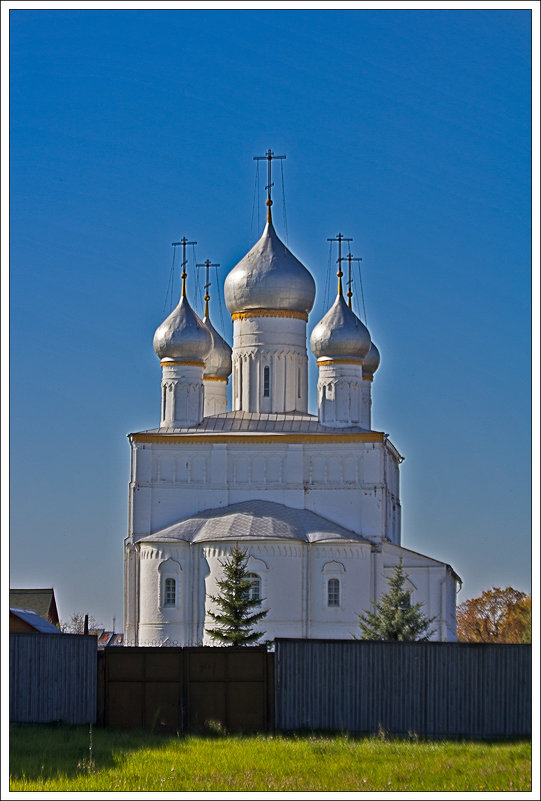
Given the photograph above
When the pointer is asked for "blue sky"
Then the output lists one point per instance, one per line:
(409, 131)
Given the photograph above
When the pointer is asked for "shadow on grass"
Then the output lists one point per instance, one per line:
(49, 750)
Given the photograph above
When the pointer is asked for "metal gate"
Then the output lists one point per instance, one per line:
(186, 689)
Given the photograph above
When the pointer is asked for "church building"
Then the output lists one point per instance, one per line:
(314, 499)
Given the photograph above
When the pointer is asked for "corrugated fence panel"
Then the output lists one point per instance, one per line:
(52, 677)
(428, 689)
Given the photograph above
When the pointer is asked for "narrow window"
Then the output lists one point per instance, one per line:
(170, 592)
(254, 592)
(240, 384)
(298, 382)
(266, 382)
(164, 399)
(333, 592)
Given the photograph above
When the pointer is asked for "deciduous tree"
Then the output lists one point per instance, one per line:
(236, 616)
(394, 617)
(497, 615)
(76, 624)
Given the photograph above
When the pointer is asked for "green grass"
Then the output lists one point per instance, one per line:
(57, 758)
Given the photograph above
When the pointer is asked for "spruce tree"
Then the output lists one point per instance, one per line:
(394, 617)
(236, 616)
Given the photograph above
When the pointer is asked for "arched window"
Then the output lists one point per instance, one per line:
(266, 382)
(169, 592)
(333, 592)
(254, 592)
(164, 400)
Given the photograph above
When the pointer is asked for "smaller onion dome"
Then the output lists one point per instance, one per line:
(182, 336)
(269, 277)
(218, 361)
(371, 361)
(340, 334)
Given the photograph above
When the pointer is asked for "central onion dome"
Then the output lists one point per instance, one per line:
(218, 361)
(340, 334)
(269, 277)
(182, 336)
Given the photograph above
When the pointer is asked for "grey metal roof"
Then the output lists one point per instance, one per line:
(257, 422)
(254, 520)
(34, 620)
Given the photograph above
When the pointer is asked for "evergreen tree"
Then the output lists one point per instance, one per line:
(236, 616)
(394, 617)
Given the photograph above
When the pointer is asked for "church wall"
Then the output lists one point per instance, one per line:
(281, 567)
(350, 566)
(343, 482)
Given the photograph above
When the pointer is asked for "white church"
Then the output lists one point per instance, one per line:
(314, 499)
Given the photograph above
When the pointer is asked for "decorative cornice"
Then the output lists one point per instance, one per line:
(263, 439)
(269, 313)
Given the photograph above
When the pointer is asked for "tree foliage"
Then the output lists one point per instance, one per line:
(236, 616)
(394, 617)
(497, 615)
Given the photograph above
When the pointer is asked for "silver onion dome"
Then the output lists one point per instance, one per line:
(371, 360)
(182, 336)
(340, 334)
(218, 360)
(269, 277)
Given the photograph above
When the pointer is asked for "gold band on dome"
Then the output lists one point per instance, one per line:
(180, 361)
(296, 315)
(322, 362)
(214, 378)
(367, 377)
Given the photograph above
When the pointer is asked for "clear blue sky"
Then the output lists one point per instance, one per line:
(409, 131)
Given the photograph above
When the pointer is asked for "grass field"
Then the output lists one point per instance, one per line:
(58, 758)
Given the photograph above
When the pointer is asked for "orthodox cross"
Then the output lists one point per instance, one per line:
(349, 259)
(208, 265)
(269, 156)
(339, 238)
(184, 274)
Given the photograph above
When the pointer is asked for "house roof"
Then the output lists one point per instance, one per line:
(41, 601)
(34, 620)
(255, 520)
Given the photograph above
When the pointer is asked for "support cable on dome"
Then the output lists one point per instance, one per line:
(349, 258)
(169, 293)
(362, 293)
(220, 303)
(255, 203)
(327, 278)
(284, 198)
